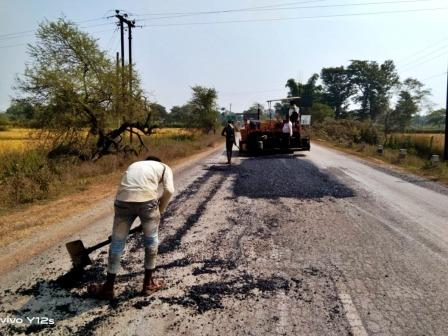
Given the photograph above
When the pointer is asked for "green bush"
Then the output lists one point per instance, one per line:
(4, 122)
(319, 112)
(26, 177)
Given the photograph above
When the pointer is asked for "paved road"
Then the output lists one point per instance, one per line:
(317, 243)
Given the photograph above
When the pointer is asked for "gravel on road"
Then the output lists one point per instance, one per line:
(293, 244)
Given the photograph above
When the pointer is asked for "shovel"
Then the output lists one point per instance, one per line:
(80, 255)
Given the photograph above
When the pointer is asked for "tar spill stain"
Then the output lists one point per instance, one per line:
(209, 296)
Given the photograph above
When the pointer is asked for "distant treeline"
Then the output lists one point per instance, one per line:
(364, 91)
(368, 91)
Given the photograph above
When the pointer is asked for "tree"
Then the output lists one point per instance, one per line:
(374, 83)
(417, 91)
(20, 112)
(309, 93)
(295, 88)
(179, 116)
(4, 121)
(312, 93)
(159, 114)
(404, 110)
(338, 88)
(319, 112)
(436, 118)
(281, 110)
(74, 86)
(412, 97)
(255, 109)
(204, 109)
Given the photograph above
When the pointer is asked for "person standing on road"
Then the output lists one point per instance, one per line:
(137, 196)
(237, 129)
(287, 132)
(229, 133)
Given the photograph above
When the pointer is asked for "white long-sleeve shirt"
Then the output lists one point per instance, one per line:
(141, 180)
(287, 128)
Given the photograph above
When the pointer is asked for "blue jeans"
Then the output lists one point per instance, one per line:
(125, 214)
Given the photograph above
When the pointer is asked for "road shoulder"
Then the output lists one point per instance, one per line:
(389, 169)
(60, 219)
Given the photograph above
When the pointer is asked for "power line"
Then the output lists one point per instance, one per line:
(33, 34)
(430, 46)
(434, 76)
(16, 36)
(17, 33)
(424, 56)
(27, 33)
(112, 38)
(228, 10)
(33, 31)
(297, 17)
(249, 92)
(257, 9)
(426, 61)
(13, 45)
(23, 44)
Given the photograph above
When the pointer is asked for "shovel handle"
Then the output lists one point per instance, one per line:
(104, 243)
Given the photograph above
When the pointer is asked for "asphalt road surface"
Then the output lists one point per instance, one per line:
(318, 243)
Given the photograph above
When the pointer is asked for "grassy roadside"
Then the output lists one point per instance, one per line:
(81, 186)
(412, 163)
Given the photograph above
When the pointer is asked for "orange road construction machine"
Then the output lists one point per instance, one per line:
(259, 136)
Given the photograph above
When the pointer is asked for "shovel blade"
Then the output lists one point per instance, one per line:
(78, 253)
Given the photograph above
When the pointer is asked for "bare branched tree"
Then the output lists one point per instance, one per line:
(78, 95)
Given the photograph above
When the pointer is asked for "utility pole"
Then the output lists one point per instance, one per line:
(121, 18)
(445, 152)
(117, 95)
(131, 24)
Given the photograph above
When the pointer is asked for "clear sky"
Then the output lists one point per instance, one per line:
(247, 55)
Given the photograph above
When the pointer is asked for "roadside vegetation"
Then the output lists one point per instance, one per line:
(363, 139)
(78, 119)
(27, 175)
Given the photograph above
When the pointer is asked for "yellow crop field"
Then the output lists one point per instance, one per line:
(17, 134)
(22, 139)
(430, 143)
(16, 139)
(437, 140)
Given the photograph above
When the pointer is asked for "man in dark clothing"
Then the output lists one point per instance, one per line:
(294, 113)
(229, 133)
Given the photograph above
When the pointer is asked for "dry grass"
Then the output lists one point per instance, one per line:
(17, 134)
(423, 144)
(17, 140)
(27, 176)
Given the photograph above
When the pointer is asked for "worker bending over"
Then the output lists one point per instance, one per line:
(137, 196)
